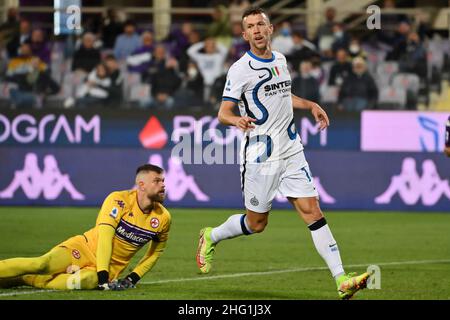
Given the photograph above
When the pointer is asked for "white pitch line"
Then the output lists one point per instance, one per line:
(19, 293)
(263, 273)
(260, 273)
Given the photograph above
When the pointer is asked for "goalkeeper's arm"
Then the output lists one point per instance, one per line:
(104, 252)
(145, 265)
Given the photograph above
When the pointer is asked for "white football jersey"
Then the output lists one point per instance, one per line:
(262, 90)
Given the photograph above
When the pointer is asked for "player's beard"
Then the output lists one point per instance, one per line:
(158, 197)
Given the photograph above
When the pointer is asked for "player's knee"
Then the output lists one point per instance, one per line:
(88, 280)
(258, 227)
(312, 213)
(41, 264)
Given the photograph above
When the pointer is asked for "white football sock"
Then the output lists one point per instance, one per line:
(235, 226)
(326, 246)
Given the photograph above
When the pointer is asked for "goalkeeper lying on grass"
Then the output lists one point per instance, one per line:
(126, 222)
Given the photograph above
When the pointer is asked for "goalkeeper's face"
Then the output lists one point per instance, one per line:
(154, 187)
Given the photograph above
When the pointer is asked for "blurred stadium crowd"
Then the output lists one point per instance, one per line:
(117, 64)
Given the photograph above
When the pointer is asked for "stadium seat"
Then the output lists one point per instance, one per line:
(407, 81)
(132, 80)
(385, 72)
(4, 94)
(140, 93)
(329, 94)
(326, 67)
(392, 98)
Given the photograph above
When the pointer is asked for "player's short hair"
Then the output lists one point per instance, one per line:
(148, 168)
(253, 10)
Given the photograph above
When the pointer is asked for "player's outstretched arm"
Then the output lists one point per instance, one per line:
(227, 117)
(145, 265)
(319, 114)
(104, 252)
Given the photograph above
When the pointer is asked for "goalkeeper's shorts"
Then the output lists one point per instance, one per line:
(84, 258)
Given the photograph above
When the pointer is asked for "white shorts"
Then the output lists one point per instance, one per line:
(290, 177)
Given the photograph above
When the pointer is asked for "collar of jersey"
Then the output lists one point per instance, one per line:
(251, 54)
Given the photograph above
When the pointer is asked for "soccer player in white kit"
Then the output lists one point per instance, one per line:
(272, 158)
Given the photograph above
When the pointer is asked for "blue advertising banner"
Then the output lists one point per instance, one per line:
(152, 131)
(344, 180)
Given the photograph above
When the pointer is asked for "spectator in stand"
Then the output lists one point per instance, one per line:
(340, 69)
(399, 42)
(283, 41)
(140, 60)
(414, 59)
(220, 28)
(216, 94)
(157, 65)
(178, 41)
(324, 36)
(238, 45)
(190, 93)
(359, 91)
(127, 42)
(355, 49)
(389, 22)
(111, 28)
(209, 57)
(19, 38)
(305, 85)
(115, 96)
(302, 50)
(96, 89)
(87, 57)
(32, 78)
(317, 71)
(341, 38)
(236, 9)
(40, 47)
(165, 83)
(10, 27)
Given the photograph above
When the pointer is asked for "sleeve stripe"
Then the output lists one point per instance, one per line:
(230, 99)
(107, 224)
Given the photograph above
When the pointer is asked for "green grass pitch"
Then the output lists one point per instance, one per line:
(411, 249)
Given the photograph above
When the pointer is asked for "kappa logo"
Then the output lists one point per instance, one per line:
(76, 254)
(49, 182)
(412, 187)
(154, 222)
(178, 182)
(254, 201)
(120, 203)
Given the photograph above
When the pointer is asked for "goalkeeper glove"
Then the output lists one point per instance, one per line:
(129, 281)
(103, 283)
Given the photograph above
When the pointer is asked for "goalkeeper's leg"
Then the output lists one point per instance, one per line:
(53, 262)
(84, 279)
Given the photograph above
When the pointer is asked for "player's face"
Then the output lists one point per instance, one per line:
(154, 186)
(257, 31)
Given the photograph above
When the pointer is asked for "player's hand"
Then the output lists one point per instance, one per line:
(126, 284)
(103, 287)
(245, 123)
(321, 116)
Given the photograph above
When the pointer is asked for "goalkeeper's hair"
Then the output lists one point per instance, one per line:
(148, 168)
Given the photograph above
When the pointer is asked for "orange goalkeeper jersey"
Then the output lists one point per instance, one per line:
(133, 228)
